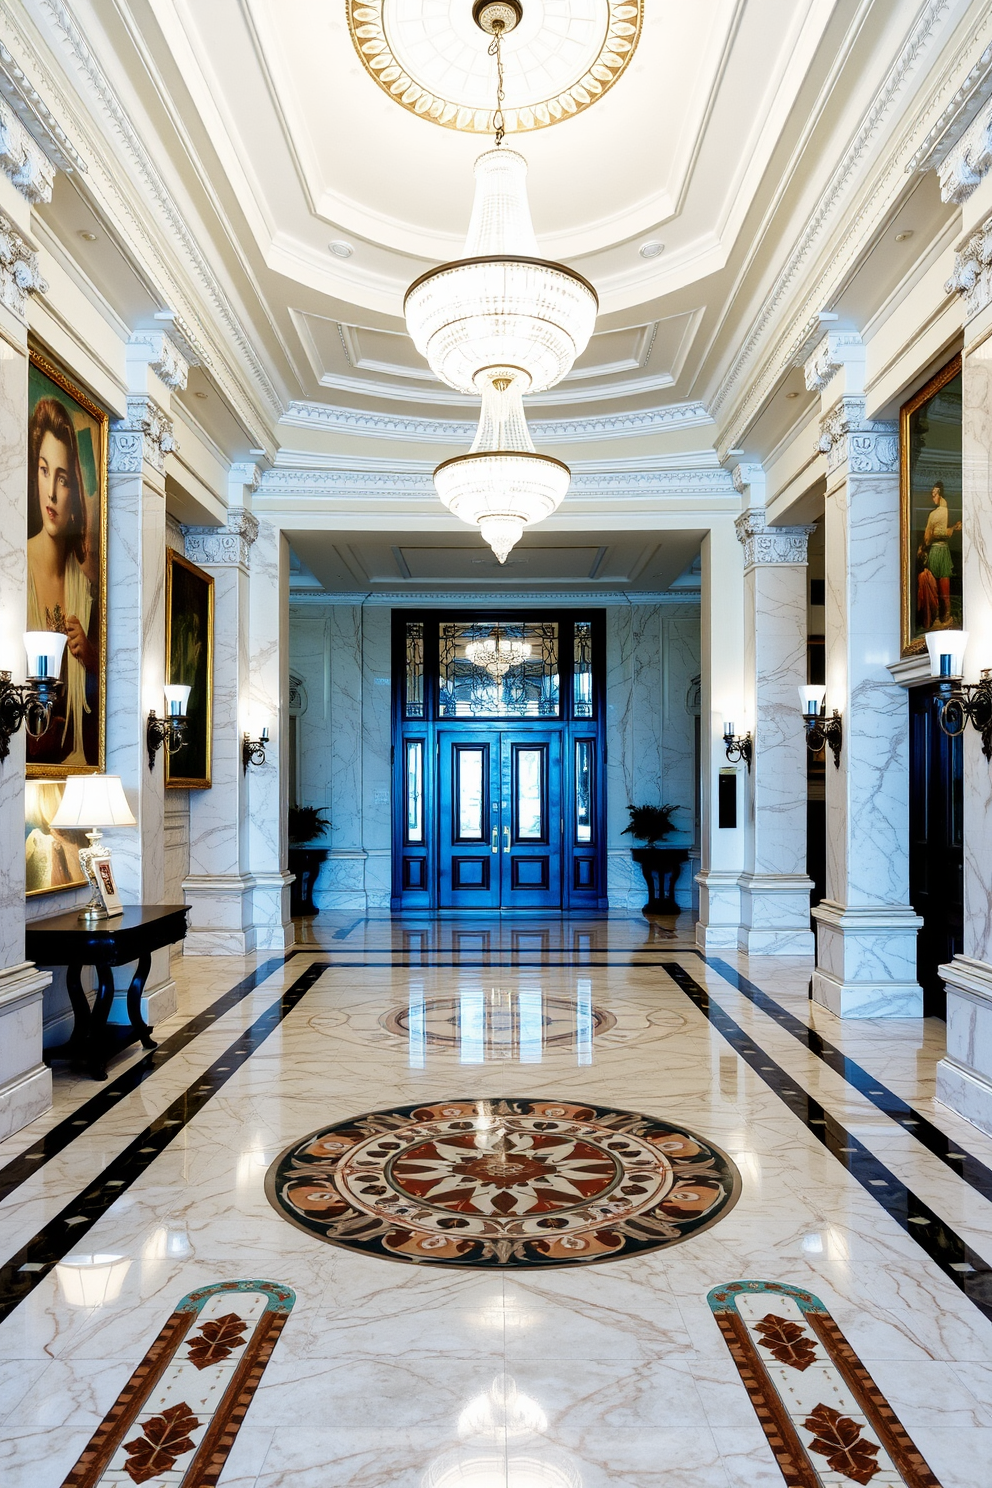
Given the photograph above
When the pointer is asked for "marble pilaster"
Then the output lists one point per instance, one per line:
(268, 784)
(866, 941)
(774, 885)
(722, 671)
(218, 885)
(25, 1082)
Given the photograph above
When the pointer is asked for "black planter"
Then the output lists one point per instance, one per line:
(660, 866)
(305, 863)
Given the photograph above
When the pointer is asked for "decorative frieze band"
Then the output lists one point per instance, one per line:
(972, 276)
(869, 446)
(145, 434)
(230, 544)
(764, 545)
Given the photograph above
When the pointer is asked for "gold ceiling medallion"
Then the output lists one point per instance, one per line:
(439, 75)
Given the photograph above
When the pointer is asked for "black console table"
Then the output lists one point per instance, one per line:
(661, 867)
(63, 940)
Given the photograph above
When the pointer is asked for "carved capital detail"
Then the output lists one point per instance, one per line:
(833, 352)
(969, 161)
(145, 434)
(972, 276)
(216, 546)
(869, 446)
(764, 545)
(163, 356)
(23, 160)
(19, 272)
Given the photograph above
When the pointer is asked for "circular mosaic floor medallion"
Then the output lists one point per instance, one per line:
(497, 1024)
(503, 1183)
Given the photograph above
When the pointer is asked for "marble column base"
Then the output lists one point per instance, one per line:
(271, 920)
(775, 915)
(25, 1082)
(964, 1075)
(719, 924)
(220, 917)
(866, 961)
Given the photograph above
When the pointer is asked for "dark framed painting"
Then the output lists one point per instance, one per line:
(51, 856)
(930, 472)
(189, 662)
(67, 564)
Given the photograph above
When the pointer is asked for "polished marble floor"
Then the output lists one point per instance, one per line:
(857, 1187)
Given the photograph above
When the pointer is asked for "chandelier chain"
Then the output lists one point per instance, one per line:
(496, 50)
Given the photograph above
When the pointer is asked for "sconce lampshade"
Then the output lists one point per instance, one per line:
(951, 643)
(811, 700)
(176, 700)
(93, 801)
(45, 649)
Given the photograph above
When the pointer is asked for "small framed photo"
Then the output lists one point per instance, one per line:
(106, 883)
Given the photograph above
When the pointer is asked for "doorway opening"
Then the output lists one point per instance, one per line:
(499, 782)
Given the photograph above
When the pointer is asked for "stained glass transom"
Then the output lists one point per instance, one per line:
(527, 689)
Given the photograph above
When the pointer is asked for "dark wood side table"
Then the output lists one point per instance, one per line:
(660, 867)
(62, 940)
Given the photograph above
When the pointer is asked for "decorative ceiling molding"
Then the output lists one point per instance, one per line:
(290, 459)
(876, 198)
(36, 117)
(302, 414)
(23, 160)
(19, 271)
(966, 165)
(565, 392)
(445, 599)
(419, 486)
(956, 117)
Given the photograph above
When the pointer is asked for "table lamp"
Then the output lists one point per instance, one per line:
(90, 802)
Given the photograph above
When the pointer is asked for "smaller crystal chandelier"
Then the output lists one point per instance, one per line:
(497, 653)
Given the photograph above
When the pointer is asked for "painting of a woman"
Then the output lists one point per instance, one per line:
(936, 564)
(65, 553)
(930, 451)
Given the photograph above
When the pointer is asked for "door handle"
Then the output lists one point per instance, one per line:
(506, 839)
(495, 845)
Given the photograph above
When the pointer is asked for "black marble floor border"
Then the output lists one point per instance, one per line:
(58, 1137)
(969, 1271)
(32, 1263)
(945, 1148)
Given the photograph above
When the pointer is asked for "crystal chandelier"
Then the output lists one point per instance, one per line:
(497, 653)
(501, 322)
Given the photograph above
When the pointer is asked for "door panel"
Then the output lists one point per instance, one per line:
(531, 837)
(468, 820)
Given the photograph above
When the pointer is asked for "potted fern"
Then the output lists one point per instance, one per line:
(659, 865)
(307, 824)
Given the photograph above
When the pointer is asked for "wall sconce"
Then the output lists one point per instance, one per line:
(820, 730)
(170, 730)
(31, 702)
(961, 702)
(253, 750)
(740, 747)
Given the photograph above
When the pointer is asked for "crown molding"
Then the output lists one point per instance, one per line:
(303, 414)
(418, 485)
(36, 116)
(568, 391)
(445, 599)
(956, 118)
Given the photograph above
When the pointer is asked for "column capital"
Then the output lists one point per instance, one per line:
(23, 159)
(967, 163)
(837, 350)
(19, 271)
(161, 353)
(231, 544)
(145, 433)
(869, 446)
(764, 545)
(972, 276)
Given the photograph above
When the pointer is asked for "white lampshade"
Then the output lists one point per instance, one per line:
(811, 700)
(45, 649)
(93, 801)
(728, 728)
(176, 699)
(952, 643)
(501, 303)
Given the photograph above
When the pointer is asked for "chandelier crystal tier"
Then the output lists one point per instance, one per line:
(502, 484)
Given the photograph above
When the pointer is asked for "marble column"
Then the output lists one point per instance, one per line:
(139, 443)
(25, 1082)
(866, 939)
(722, 671)
(964, 1076)
(774, 885)
(268, 784)
(219, 885)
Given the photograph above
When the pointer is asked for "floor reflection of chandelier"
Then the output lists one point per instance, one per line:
(501, 321)
(497, 654)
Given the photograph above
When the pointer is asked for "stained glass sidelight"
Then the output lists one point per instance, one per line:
(415, 790)
(528, 689)
(583, 790)
(414, 669)
(582, 670)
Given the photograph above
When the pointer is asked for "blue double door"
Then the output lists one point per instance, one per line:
(500, 818)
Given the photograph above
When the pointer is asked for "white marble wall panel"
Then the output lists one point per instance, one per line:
(268, 785)
(345, 755)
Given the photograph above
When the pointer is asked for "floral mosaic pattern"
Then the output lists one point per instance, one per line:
(826, 1420)
(503, 1183)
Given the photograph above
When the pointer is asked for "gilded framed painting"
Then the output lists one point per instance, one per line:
(189, 662)
(67, 564)
(51, 856)
(930, 472)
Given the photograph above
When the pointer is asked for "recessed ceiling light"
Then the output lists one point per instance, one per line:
(340, 249)
(654, 249)
(199, 395)
(87, 237)
(792, 395)
(907, 233)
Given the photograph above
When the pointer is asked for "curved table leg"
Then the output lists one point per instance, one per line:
(96, 1050)
(78, 1040)
(134, 996)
